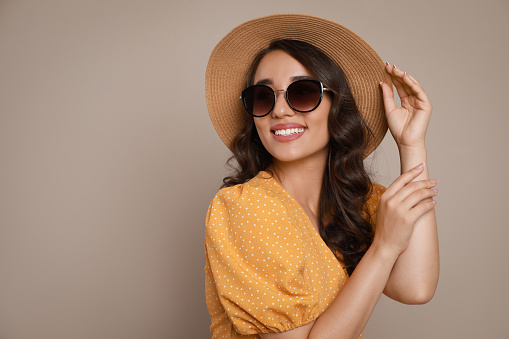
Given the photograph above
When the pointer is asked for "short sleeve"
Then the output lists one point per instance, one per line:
(257, 274)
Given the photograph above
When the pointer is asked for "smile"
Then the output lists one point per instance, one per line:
(288, 131)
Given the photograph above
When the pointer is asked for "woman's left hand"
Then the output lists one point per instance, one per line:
(408, 123)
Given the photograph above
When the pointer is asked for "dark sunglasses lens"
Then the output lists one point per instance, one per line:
(258, 100)
(304, 95)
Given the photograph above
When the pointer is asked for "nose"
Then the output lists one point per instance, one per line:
(281, 107)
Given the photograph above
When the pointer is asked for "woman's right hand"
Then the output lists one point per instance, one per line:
(401, 205)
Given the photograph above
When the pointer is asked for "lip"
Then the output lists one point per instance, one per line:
(286, 126)
(287, 138)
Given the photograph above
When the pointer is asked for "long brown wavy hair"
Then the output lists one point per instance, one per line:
(343, 218)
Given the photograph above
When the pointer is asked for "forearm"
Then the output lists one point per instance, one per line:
(349, 313)
(415, 274)
(410, 157)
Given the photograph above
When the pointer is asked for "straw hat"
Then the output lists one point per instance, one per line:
(232, 56)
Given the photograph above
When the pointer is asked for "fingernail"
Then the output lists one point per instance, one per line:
(434, 202)
(434, 181)
(435, 190)
(404, 74)
(387, 63)
(394, 66)
(381, 83)
(420, 166)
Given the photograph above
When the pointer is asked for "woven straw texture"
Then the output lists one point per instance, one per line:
(230, 60)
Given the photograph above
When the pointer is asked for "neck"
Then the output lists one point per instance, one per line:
(302, 179)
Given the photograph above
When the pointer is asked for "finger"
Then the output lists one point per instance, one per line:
(412, 88)
(419, 197)
(421, 209)
(414, 186)
(414, 79)
(388, 97)
(397, 77)
(415, 87)
(401, 88)
(403, 179)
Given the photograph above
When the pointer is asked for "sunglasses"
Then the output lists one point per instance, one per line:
(302, 96)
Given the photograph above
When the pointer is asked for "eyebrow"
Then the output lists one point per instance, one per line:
(295, 78)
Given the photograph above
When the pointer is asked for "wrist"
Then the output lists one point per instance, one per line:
(385, 253)
(412, 156)
(412, 149)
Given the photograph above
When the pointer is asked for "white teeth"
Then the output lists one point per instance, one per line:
(288, 131)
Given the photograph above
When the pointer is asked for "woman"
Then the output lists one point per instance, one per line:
(299, 242)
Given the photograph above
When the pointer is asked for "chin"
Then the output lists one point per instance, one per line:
(297, 155)
(285, 154)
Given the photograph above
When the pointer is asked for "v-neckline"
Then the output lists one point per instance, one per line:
(266, 179)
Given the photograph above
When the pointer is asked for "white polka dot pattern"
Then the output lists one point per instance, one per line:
(267, 268)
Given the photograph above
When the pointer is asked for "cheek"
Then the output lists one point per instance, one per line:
(322, 120)
(262, 127)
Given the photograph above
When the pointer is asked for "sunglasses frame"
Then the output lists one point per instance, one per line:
(316, 82)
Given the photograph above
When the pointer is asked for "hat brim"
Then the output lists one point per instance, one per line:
(232, 56)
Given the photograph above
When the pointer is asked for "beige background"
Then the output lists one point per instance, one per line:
(108, 161)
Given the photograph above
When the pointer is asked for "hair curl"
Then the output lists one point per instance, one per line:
(343, 218)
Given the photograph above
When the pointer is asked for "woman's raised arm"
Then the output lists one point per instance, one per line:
(415, 274)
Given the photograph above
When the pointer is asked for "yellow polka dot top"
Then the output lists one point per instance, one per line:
(267, 268)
